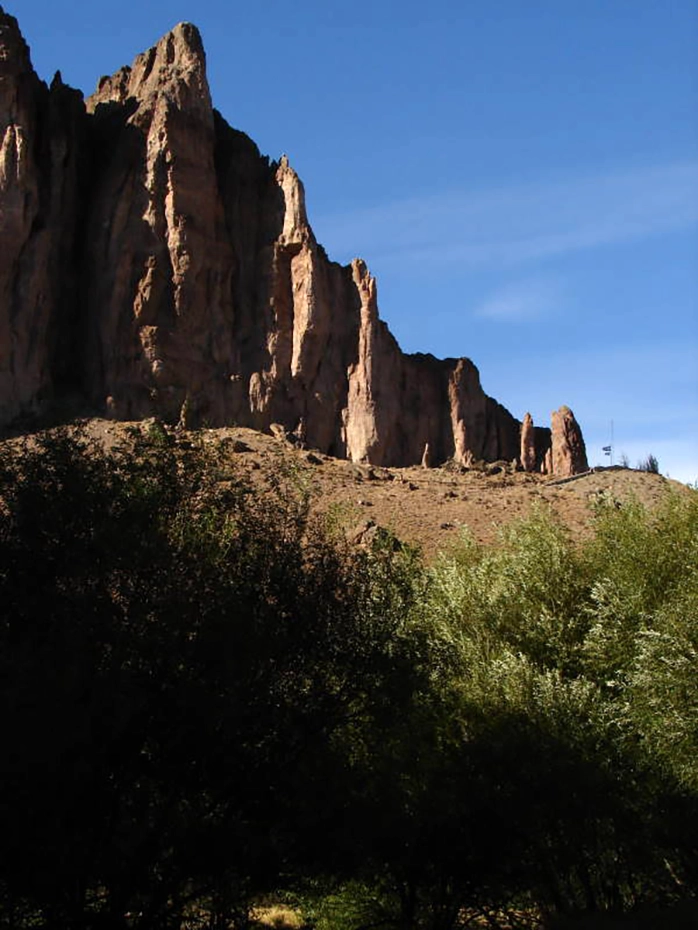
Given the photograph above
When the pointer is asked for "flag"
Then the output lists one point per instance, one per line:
(607, 450)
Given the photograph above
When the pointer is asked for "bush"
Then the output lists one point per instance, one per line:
(649, 464)
(537, 774)
(577, 703)
(182, 663)
(208, 698)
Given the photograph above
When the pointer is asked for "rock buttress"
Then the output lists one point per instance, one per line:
(156, 265)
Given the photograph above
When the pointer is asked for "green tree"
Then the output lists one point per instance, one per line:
(185, 662)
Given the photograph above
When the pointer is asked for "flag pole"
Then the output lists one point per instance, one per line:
(611, 443)
(608, 450)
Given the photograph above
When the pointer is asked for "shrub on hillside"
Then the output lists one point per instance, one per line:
(182, 661)
(649, 464)
(578, 701)
(207, 696)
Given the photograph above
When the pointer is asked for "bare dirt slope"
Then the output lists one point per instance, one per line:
(425, 506)
(429, 507)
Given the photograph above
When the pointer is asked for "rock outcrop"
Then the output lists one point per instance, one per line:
(528, 457)
(153, 262)
(568, 452)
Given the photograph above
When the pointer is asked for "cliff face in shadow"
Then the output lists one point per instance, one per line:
(41, 135)
(154, 262)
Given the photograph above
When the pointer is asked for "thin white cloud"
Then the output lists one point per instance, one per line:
(522, 301)
(517, 224)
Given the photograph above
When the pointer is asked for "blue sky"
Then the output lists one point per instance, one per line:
(521, 177)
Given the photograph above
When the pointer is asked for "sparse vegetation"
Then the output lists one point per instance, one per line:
(218, 714)
(649, 464)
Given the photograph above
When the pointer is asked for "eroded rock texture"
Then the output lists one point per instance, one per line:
(40, 131)
(153, 260)
(528, 456)
(568, 452)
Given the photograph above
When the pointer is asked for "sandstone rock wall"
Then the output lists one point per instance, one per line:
(153, 260)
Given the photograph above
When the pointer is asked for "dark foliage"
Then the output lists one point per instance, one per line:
(649, 464)
(178, 657)
(207, 697)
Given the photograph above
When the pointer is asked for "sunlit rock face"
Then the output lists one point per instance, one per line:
(568, 452)
(153, 262)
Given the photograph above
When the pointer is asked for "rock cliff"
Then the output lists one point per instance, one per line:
(153, 262)
(40, 133)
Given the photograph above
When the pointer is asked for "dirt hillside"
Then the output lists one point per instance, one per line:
(425, 506)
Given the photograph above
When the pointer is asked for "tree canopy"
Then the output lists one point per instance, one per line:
(209, 697)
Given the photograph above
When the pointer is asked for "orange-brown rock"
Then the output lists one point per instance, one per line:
(528, 444)
(202, 295)
(535, 454)
(568, 451)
